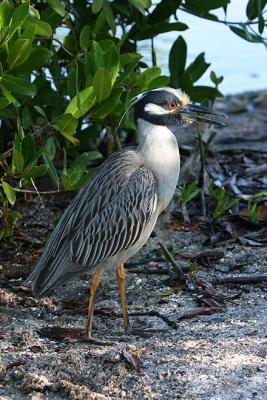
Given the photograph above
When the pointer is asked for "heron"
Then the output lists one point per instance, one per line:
(115, 212)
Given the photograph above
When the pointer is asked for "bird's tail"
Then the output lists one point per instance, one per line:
(50, 272)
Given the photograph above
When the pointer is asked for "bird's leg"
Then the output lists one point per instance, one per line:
(121, 284)
(94, 286)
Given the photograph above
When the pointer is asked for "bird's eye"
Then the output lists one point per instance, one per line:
(172, 105)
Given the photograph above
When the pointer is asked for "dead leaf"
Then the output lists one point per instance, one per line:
(22, 289)
(59, 333)
(83, 308)
(200, 311)
(133, 356)
(262, 213)
(175, 226)
(250, 242)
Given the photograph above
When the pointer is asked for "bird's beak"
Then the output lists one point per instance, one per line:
(193, 112)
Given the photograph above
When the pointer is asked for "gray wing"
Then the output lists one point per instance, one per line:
(107, 216)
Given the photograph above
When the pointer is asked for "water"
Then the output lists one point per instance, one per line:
(243, 64)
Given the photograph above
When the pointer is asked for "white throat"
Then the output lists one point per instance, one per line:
(160, 153)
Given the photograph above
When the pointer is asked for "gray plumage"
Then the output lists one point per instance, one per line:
(107, 217)
(114, 214)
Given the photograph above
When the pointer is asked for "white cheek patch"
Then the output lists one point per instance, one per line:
(155, 109)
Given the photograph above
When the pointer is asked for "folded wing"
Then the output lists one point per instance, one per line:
(108, 215)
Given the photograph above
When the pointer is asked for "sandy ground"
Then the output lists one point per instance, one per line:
(219, 356)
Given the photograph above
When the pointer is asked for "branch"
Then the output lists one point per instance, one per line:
(242, 279)
(40, 192)
(221, 21)
(57, 41)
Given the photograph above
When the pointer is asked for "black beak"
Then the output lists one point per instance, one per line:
(203, 114)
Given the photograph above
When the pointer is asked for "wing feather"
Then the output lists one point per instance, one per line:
(107, 216)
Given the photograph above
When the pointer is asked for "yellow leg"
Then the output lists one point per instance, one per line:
(121, 284)
(94, 286)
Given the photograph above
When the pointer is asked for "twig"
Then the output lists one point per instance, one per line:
(201, 178)
(242, 280)
(175, 265)
(219, 20)
(34, 192)
(153, 313)
(146, 271)
(147, 260)
(153, 53)
(35, 133)
(199, 311)
(57, 41)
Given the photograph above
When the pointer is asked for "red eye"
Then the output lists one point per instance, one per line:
(172, 106)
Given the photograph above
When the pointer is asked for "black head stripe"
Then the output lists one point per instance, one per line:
(159, 97)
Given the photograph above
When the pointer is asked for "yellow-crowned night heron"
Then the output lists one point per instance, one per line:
(113, 215)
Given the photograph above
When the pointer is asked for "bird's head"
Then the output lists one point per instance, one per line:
(170, 107)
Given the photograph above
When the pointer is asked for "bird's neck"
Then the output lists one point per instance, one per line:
(159, 150)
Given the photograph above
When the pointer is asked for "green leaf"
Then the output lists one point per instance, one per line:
(243, 33)
(67, 123)
(17, 162)
(19, 52)
(198, 93)
(29, 33)
(52, 172)
(4, 103)
(76, 176)
(18, 85)
(108, 105)
(159, 81)
(18, 17)
(36, 171)
(78, 167)
(26, 117)
(66, 126)
(254, 8)
(146, 77)
(261, 24)
(38, 57)
(163, 10)
(85, 37)
(177, 60)
(198, 67)
(87, 100)
(9, 96)
(42, 28)
(101, 84)
(9, 192)
(97, 5)
(50, 148)
(98, 55)
(35, 12)
(141, 5)
(215, 79)
(109, 17)
(129, 62)
(28, 149)
(5, 13)
(57, 6)
(156, 29)
(112, 62)
(40, 111)
(70, 42)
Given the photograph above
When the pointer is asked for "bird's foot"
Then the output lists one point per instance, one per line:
(99, 342)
